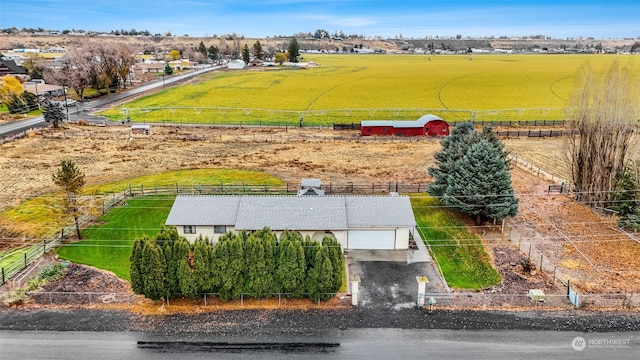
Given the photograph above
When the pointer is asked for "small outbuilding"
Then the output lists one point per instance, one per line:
(141, 129)
(427, 125)
(236, 65)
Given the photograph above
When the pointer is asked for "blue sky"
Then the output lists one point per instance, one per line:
(558, 19)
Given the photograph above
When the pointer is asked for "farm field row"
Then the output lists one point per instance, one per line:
(351, 88)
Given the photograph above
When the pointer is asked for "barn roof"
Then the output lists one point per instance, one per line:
(292, 212)
(421, 122)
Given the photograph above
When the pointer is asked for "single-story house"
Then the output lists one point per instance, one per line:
(356, 222)
(430, 125)
(10, 67)
(38, 88)
(144, 68)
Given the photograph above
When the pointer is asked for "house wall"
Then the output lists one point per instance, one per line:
(205, 231)
(402, 238)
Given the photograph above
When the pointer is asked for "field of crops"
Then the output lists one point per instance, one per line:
(351, 88)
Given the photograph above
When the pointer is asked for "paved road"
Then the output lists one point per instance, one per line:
(353, 344)
(37, 122)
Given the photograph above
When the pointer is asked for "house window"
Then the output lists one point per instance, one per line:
(219, 229)
(189, 229)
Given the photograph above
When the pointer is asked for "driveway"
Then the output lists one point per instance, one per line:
(393, 284)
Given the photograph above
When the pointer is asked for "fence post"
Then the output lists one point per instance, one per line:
(142, 189)
(44, 246)
(25, 260)
(529, 256)
(3, 276)
(241, 299)
(205, 299)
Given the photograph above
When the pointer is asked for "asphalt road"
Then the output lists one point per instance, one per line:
(339, 344)
(38, 122)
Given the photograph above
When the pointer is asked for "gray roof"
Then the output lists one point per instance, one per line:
(311, 183)
(421, 122)
(204, 210)
(379, 211)
(292, 212)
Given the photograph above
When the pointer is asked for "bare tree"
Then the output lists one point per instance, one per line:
(604, 110)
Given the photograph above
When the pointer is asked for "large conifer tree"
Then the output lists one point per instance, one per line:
(481, 184)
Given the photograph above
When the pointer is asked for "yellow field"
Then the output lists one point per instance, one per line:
(351, 88)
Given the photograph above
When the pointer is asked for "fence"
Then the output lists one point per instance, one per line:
(446, 300)
(505, 123)
(555, 301)
(110, 201)
(207, 299)
(373, 188)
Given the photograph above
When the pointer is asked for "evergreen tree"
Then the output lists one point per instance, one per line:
(153, 270)
(300, 267)
(293, 50)
(453, 148)
(202, 49)
(246, 55)
(269, 243)
(481, 184)
(257, 282)
(258, 52)
(310, 249)
(168, 70)
(188, 277)
(179, 252)
(320, 276)
(337, 262)
(213, 53)
(52, 113)
(626, 199)
(135, 269)
(167, 234)
(202, 265)
(232, 269)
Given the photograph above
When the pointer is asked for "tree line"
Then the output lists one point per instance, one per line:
(257, 264)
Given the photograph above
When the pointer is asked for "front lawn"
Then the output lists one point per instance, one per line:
(461, 255)
(108, 245)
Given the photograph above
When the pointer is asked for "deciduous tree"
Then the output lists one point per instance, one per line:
(71, 180)
(604, 110)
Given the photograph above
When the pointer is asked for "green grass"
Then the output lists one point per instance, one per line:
(37, 217)
(421, 83)
(461, 255)
(187, 177)
(108, 245)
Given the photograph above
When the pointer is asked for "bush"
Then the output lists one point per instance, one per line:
(52, 272)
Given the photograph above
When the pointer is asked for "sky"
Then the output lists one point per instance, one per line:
(267, 18)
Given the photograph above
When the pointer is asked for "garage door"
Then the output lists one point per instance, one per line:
(371, 239)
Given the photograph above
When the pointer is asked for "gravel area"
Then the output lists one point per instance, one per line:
(274, 322)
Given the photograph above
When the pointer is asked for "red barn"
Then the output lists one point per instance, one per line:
(430, 125)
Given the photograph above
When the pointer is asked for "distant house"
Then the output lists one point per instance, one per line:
(40, 88)
(430, 125)
(236, 64)
(9, 67)
(143, 68)
(356, 222)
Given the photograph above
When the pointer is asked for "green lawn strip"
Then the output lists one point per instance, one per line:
(108, 245)
(37, 217)
(187, 178)
(461, 255)
(10, 257)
